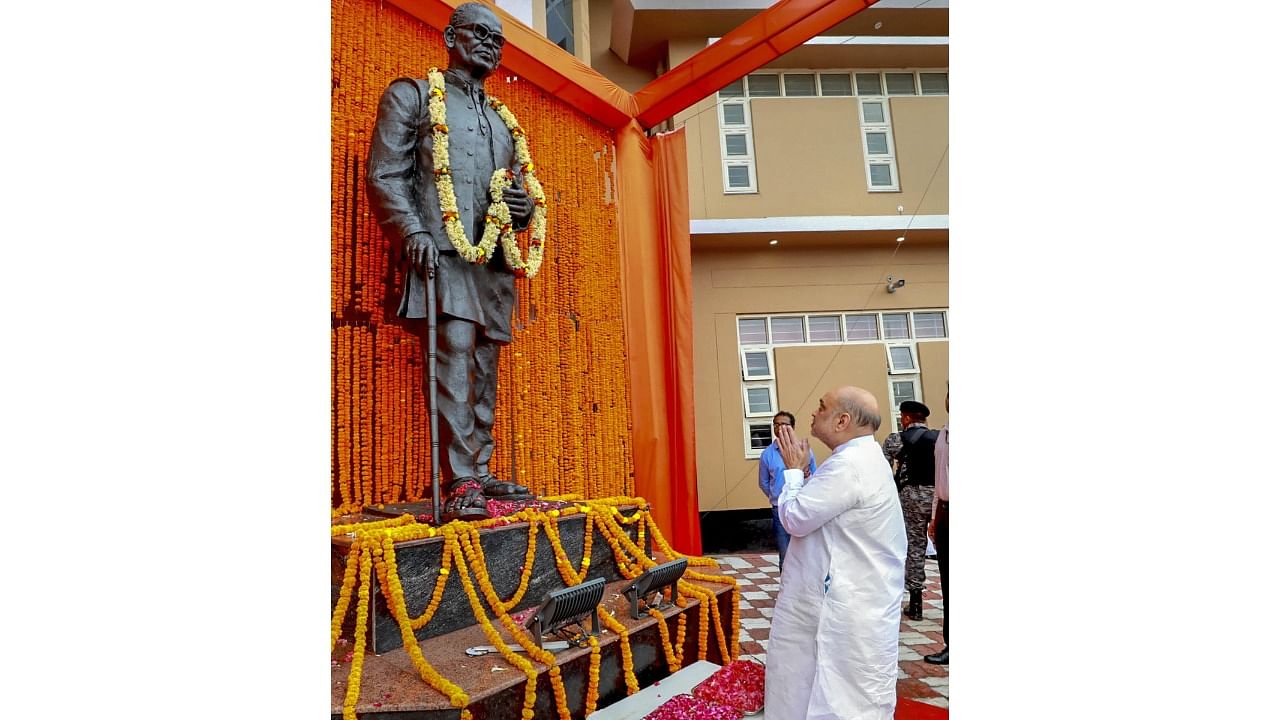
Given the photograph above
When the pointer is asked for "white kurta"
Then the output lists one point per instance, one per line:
(833, 646)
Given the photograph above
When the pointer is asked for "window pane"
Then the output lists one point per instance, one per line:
(895, 326)
(900, 83)
(733, 90)
(799, 85)
(860, 327)
(880, 176)
(560, 23)
(835, 84)
(761, 436)
(757, 364)
(762, 85)
(933, 83)
(824, 328)
(758, 400)
(734, 113)
(930, 325)
(735, 144)
(872, 112)
(868, 84)
(877, 143)
(739, 176)
(901, 357)
(903, 390)
(786, 330)
(751, 331)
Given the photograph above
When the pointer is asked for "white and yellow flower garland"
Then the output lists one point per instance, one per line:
(497, 222)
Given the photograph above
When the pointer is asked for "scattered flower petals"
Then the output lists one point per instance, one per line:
(687, 707)
(740, 684)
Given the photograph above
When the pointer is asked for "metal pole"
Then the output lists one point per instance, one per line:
(431, 383)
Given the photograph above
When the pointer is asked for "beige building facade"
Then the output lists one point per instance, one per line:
(818, 190)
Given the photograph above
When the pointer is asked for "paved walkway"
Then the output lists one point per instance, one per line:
(917, 679)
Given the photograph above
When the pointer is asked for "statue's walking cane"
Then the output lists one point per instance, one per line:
(431, 382)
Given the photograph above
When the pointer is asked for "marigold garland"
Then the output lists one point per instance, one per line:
(390, 577)
(624, 640)
(357, 657)
(497, 221)
(373, 551)
(344, 596)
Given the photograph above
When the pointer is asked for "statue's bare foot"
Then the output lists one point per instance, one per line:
(465, 502)
(499, 490)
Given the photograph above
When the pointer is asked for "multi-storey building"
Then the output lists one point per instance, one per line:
(819, 213)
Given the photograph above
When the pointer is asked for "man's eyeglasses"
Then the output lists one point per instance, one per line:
(483, 33)
(782, 424)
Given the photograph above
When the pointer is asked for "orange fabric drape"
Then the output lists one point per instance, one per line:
(657, 282)
(671, 178)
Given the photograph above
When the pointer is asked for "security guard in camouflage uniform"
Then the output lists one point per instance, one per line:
(910, 453)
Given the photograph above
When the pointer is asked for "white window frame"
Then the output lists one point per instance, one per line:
(773, 399)
(804, 328)
(916, 391)
(808, 331)
(884, 335)
(782, 82)
(920, 83)
(727, 160)
(738, 326)
(891, 159)
(844, 329)
(915, 358)
(915, 82)
(892, 375)
(853, 89)
(946, 327)
(746, 438)
(917, 394)
(742, 360)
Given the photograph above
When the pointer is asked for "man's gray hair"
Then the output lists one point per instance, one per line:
(860, 414)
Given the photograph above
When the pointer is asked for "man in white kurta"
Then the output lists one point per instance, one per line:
(833, 646)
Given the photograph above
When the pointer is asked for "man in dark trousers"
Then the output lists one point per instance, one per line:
(939, 526)
(910, 453)
(474, 302)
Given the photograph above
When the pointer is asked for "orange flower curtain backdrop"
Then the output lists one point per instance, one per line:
(562, 423)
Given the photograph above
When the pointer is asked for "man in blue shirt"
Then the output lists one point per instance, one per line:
(771, 467)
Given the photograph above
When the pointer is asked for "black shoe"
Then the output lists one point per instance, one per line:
(941, 658)
(465, 501)
(915, 608)
(499, 490)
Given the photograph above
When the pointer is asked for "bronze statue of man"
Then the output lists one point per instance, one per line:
(474, 302)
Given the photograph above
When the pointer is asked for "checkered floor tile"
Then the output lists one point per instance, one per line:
(758, 577)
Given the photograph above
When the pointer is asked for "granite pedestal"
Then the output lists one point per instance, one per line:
(392, 690)
(504, 549)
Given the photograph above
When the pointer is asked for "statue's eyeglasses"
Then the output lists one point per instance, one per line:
(483, 33)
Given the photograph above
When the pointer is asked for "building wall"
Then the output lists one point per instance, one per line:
(797, 176)
(732, 282)
(603, 59)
